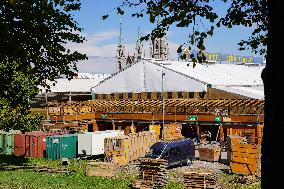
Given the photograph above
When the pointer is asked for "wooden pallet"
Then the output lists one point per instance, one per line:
(152, 173)
(196, 180)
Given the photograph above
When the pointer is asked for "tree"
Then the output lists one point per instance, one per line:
(267, 15)
(33, 37)
(191, 13)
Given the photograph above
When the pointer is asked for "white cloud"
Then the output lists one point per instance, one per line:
(103, 44)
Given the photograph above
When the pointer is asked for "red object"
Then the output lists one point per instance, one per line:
(32, 144)
(19, 144)
(35, 144)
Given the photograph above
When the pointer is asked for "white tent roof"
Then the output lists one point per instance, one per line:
(146, 76)
(92, 76)
(220, 74)
(256, 92)
(74, 85)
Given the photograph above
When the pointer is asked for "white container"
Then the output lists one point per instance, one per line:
(92, 143)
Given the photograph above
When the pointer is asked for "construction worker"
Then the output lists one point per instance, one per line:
(208, 136)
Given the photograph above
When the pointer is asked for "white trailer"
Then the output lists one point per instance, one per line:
(92, 143)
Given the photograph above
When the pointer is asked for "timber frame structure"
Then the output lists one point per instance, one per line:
(116, 109)
(230, 113)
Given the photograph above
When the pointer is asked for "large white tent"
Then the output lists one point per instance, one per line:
(146, 76)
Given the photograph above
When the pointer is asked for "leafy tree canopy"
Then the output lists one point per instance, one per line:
(33, 37)
(186, 13)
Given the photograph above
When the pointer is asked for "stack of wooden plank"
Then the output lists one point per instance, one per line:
(232, 140)
(199, 180)
(245, 159)
(152, 173)
(209, 152)
(172, 131)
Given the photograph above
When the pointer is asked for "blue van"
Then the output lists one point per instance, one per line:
(176, 152)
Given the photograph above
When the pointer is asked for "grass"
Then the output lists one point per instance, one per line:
(25, 178)
(13, 177)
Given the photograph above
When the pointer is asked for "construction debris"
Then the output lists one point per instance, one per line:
(246, 179)
(102, 169)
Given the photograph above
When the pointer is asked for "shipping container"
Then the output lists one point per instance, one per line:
(1, 142)
(35, 145)
(7, 142)
(61, 146)
(32, 144)
(92, 143)
(19, 145)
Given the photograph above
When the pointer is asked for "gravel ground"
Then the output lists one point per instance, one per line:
(176, 174)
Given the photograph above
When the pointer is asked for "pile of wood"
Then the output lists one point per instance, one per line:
(245, 159)
(123, 149)
(172, 131)
(101, 169)
(152, 173)
(199, 180)
(209, 152)
(232, 140)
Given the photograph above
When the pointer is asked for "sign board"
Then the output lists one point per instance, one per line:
(192, 117)
(104, 116)
(217, 118)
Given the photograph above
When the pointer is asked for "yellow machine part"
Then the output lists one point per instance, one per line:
(155, 128)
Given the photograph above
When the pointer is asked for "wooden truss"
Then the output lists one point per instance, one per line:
(172, 106)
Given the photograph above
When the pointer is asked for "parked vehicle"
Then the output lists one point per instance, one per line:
(176, 152)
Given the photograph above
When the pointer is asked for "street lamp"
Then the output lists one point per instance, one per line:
(163, 105)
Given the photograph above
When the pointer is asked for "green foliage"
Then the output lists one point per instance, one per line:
(17, 118)
(33, 38)
(192, 14)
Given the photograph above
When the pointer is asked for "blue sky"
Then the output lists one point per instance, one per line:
(102, 36)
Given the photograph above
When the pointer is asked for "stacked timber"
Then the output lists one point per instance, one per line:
(152, 173)
(199, 180)
(245, 159)
(123, 149)
(209, 152)
(232, 140)
(172, 132)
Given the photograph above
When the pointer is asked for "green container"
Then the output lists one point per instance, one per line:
(7, 142)
(61, 146)
(1, 142)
